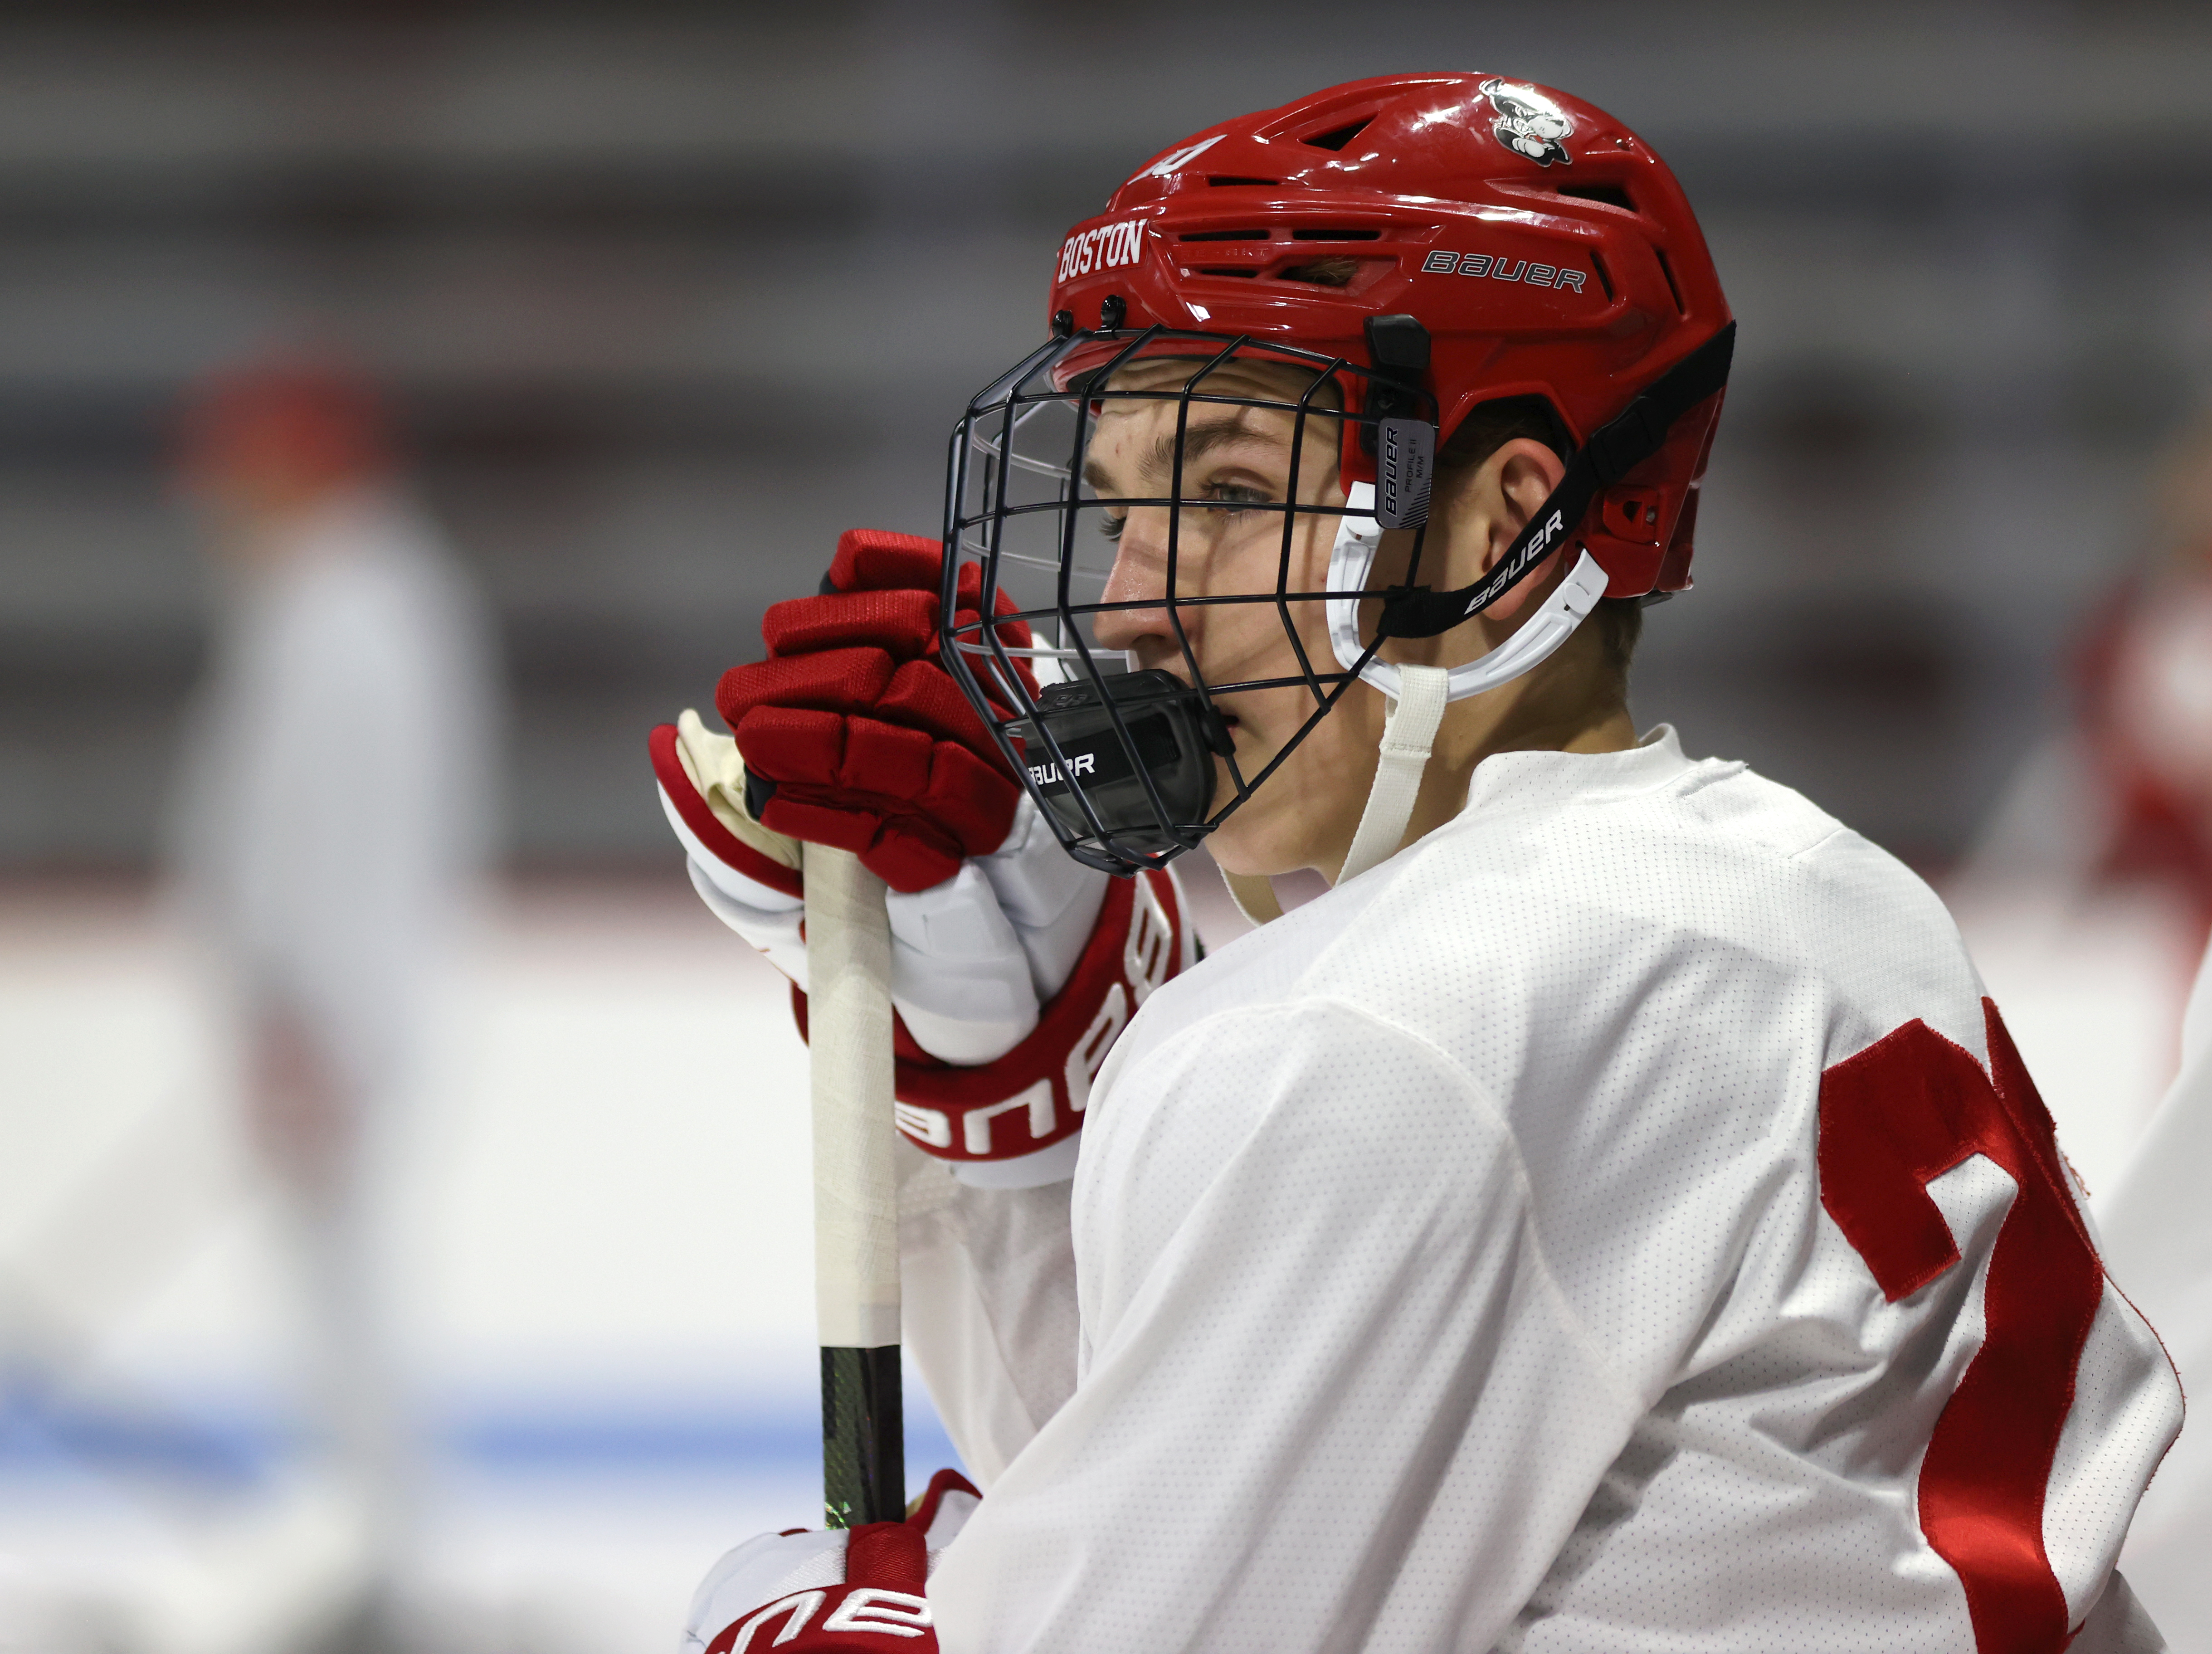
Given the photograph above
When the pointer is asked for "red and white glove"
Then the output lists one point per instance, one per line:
(858, 1590)
(855, 736)
(1012, 975)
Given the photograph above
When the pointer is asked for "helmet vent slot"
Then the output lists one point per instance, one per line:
(1322, 272)
(1336, 235)
(1222, 235)
(1611, 195)
(1604, 276)
(1227, 269)
(1264, 183)
(1672, 286)
(1337, 137)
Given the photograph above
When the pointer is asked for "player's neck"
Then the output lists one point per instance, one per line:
(1572, 703)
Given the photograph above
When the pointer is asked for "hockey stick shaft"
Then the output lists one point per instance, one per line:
(856, 1262)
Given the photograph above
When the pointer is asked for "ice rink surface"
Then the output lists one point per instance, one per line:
(598, 1248)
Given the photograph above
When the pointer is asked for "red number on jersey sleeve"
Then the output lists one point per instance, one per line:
(1902, 1112)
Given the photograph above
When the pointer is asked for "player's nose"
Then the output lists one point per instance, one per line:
(1138, 578)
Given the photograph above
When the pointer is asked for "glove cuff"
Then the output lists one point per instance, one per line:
(1034, 1097)
(686, 793)
(827, 1591)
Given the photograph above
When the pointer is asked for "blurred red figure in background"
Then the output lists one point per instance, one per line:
(272, 441)
(2147, 696)
(2122, 794)
(333, 809)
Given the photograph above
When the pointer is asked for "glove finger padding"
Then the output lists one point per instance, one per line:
(903, 624)
(864, 757)
(837, 680)
(855, 733)
(923, 696)
(911, 807)
(918, 694)
(876, 560)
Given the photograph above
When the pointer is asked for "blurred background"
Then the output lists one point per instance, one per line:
(657, 297)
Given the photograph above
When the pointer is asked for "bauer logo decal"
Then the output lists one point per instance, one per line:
(865, 1608)
(1539, 546)
(1078, 764)
(1406, 452)
(975, 1124)
(1491, 268)
(1089, 1055)
(1528, 123)
(1106, 247)
(1148, 957)
(930, 1125)
(893, 1613)
(795, 1611)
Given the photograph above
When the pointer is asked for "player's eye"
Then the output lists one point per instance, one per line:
(1110, 526)
(1230, 499)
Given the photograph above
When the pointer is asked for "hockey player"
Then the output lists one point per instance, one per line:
(1611, 1218)
(332, 818)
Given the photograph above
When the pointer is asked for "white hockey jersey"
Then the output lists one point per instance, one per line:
(1615, 1222)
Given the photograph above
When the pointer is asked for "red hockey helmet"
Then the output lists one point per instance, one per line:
(1546, 248)
(1420, 246)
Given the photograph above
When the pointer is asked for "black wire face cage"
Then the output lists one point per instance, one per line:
(1135, 764)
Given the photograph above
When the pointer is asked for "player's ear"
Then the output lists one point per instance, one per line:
(1481, 508)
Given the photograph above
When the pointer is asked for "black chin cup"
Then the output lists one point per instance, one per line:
(1173, 734)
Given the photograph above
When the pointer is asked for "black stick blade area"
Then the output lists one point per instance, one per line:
(863, 1436)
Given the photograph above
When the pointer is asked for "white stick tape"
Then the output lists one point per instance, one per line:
(848, 966)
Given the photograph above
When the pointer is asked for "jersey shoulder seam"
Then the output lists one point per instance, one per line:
(1835, 829)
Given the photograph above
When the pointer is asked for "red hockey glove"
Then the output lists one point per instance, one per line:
(853, 734)
(861, 1590)
(1009, 981)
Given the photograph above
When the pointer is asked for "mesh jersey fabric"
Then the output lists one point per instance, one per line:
(1452, 1270)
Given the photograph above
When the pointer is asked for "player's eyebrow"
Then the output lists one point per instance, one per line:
(1198, 440)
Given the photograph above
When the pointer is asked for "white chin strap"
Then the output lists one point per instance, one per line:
(1419, 695)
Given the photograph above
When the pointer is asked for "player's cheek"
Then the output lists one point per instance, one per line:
(1266, 722)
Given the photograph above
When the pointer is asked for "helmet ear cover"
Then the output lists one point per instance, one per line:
(1614, 452)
